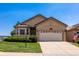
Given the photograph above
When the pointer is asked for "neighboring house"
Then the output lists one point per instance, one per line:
(71, 31)
(47, 29)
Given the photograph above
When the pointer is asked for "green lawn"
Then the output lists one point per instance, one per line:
(20, 47)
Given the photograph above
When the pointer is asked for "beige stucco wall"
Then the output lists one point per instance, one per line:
(56, 26)
(69, 35)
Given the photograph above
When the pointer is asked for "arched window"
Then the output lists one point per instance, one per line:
(50, 28)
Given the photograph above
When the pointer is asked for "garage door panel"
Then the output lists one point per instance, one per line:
(50, 36)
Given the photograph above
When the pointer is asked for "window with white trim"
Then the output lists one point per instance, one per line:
(22, 31)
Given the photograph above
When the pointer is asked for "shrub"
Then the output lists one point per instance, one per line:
(15, 39)
(13, 32)
(77, 41)
(21, 39)
(33, 38)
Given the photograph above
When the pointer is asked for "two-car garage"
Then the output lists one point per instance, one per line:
(50, 36)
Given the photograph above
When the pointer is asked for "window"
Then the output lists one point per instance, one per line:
(22, 31)
(51, 29)
(27, 31)
(78, 33)
(16, 31)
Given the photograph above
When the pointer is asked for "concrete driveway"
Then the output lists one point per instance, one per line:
(59, 49)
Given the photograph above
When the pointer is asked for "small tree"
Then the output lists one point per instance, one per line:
(12, 33)
(17, 24)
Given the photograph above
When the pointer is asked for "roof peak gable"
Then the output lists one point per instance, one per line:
(53, 19)
(76, 25)
(57, 20)
(33, 18)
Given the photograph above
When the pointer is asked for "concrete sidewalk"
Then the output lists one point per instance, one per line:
(59, 49)
(19, 54)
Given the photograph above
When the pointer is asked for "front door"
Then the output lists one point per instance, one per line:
(32, 30)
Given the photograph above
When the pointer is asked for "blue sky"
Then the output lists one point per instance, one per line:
(11, 13)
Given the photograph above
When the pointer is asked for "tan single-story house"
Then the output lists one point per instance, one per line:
(46, 29)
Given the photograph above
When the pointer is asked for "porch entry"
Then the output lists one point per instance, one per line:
(26, 31)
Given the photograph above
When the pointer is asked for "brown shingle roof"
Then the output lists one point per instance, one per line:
(43, 20)
(58, 21)
(54, 20)
(75, 26)
(33, 18)
(30, 19)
